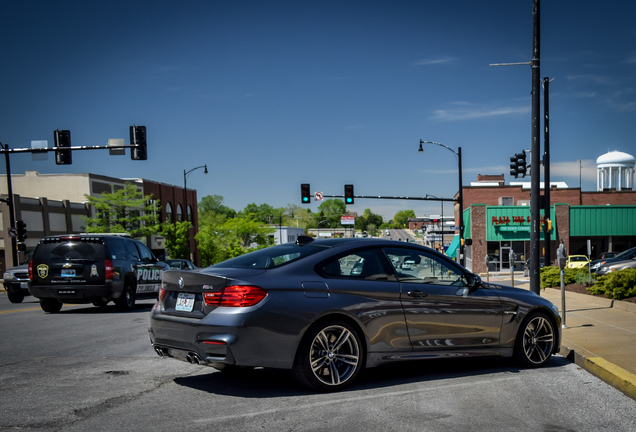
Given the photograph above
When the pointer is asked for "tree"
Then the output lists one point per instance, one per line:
(401, 218)
(214, 204)
(329, 214)
(124, 210)
(224, 234)
(369, 222)
(177, 238)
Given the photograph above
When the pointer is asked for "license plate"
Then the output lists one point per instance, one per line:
(24, 285)
(185, 302)
(68, 273)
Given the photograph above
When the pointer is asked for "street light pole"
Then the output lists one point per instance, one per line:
(460, 200)
(185, 195)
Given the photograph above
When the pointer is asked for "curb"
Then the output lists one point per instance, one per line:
(615, 376)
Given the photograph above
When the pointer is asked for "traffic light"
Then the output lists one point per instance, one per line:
(22, 231)
(348, 193)
(62, 138)
(138, 138)
(518, 166)
(305, 196)
(549, 227)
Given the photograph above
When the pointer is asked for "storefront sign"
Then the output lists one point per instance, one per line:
(505, 220)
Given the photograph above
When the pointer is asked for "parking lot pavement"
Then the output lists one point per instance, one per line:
(599, 333)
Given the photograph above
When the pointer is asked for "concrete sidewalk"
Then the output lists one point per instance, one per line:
(599, 336)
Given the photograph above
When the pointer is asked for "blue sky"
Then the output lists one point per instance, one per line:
(272, 94)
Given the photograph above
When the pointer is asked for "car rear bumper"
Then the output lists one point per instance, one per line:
(69, 293)
(226, 338)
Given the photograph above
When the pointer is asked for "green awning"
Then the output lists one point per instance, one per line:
(453, 247)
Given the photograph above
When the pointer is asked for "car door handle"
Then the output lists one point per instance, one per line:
(417, 294)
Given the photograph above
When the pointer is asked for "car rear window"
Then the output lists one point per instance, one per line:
(271, 257)
(69, 251)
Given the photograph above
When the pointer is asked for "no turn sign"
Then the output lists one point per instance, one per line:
(318, 196)
(13, 232)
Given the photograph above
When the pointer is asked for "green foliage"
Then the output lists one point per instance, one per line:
(617, 285)
(329, 214)
(369, 222)
(176, 239)
(401, 218)
(124, 210)
(551, 276)
(224, 234)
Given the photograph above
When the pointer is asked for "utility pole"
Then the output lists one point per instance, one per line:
(546, 169)
(535, 182)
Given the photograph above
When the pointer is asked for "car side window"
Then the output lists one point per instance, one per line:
(132, 250)
(146, 255)
(416, 266)
(117, 248)
(365, 264)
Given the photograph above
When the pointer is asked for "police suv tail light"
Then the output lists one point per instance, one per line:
(30, 269)
(235, 296)
(109, 269)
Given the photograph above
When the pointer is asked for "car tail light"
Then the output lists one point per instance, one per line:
(109, 269)
(30, 269)
(162, 294)
(235, 296)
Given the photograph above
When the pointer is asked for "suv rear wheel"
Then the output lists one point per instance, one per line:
(50, 305)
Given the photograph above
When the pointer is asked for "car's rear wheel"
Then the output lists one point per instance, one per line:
(329, 357)
(126, 300)
(15, 297)
(50, 305)
(535, 341)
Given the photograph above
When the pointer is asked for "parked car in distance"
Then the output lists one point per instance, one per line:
(616, 266)
(180, 264)
(577, 261)
(93, 268)
(605, 255)
(16, 282)
(625, 255)
(328, 308)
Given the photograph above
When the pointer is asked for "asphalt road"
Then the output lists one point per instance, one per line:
(93, 369)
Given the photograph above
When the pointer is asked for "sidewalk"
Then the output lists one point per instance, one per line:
(600, 334)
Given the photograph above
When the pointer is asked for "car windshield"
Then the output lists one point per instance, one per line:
(625, 254)
(578, 258)
(271, 257)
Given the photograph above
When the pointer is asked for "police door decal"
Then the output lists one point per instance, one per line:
(148, 279)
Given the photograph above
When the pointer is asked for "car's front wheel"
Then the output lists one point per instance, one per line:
(329, 357)
(535, 341)
(50, 305)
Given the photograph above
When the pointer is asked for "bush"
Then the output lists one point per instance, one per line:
(551, 276)
(617, 285)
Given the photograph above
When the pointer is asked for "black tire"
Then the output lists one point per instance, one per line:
(15, 297)
(50, 305)
(330, 356)
(126, 302)
(535, 341)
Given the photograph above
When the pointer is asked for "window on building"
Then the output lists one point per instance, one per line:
(169, 215)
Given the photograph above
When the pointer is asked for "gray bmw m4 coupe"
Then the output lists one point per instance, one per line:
(326, 309)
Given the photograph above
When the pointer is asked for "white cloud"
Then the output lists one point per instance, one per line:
(435, 61)
(477, 112)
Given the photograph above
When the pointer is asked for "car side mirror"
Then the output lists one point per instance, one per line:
(474, 280)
